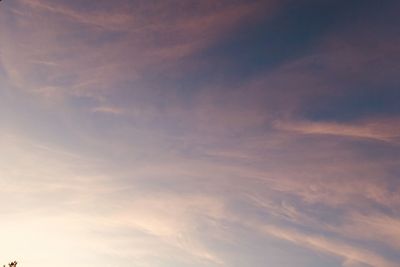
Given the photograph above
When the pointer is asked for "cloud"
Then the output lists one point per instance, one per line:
(106, 20)
(77, 202)
(187, 157)
(373, 227)
(108, 110)
(172, 219)
(116, 49)
(351, 255)
(382, 130)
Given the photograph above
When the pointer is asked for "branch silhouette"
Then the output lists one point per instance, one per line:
(14, 263)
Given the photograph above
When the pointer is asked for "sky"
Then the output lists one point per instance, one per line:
(201, 133)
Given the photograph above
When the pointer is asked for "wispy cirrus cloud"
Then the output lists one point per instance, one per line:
(202, 133)
(117, 51)
(381, 130)
(352, 256)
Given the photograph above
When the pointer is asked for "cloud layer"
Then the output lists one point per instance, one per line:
(199, 133)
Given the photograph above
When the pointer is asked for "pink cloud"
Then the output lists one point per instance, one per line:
(387, 130)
